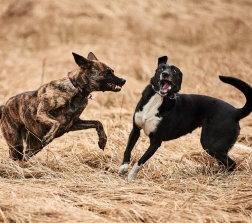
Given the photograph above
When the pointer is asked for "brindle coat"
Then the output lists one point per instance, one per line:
(55, 108)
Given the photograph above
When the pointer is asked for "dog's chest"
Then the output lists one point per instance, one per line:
(147, 119)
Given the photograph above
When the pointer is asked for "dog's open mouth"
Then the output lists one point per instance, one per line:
(114, 87)
(165, 86)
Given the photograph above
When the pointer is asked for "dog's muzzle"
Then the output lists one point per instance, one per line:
(165, 86)
(165, 83)
(116, 87)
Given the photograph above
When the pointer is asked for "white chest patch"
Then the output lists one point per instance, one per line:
(146, 118)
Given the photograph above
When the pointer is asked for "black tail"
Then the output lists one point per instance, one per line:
(245, 89)
(1, 110)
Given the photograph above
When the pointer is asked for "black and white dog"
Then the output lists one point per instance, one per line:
(164, 115)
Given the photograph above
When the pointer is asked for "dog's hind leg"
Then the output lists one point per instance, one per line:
(16, 149)
(217, 143)
(87, 124)
(33, 145)
(154, 145)
(133, 137)
(15, 143)
(12, 134)
(222, 158)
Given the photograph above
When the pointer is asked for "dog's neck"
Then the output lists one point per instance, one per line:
(77, 83)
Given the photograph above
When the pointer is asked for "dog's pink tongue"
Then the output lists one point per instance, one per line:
(165, 87)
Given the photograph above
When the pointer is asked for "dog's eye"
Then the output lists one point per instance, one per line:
(175, 71)
(161, 69)
(107, 72)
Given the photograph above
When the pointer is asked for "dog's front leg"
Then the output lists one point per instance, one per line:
(48, 119)
(133, 137)
(87, 124)
(44, 116)
(154, 145)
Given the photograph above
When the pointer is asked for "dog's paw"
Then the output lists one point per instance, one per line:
(102, 143)
(43, 142)
(133, 173)
(123, 169)
(26, 158)
(46, 140)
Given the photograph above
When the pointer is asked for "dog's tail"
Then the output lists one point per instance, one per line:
(245, 89)
(1, 110)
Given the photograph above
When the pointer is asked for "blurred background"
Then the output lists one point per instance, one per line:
(203, 38)
(72, 178)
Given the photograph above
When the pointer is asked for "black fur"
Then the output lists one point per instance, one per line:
(185, 112)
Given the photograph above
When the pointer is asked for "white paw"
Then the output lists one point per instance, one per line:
(123, 169)
(132, 174)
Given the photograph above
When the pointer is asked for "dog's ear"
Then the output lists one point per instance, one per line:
(80, 60)
(162, 60)
(91, 56)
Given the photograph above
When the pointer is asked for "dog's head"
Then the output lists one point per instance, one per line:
(167, 79)
(96, 76)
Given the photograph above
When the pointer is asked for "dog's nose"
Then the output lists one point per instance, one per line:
(165, 74)
(123, 81)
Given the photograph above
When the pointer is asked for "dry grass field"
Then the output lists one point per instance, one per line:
(72, 180)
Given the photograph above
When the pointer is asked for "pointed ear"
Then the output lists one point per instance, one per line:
(80, 60)
(91, 56)
(162, 60)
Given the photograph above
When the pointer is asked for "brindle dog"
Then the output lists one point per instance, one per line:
(37, 117)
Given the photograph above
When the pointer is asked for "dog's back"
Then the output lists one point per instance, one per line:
(193, 110)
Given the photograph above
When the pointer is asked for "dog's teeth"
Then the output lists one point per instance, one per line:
(114, 86)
